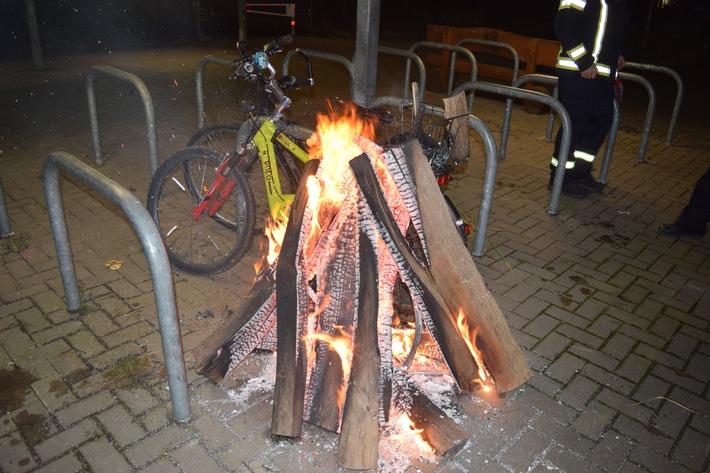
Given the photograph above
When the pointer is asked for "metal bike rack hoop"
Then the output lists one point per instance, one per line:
(516, 93)
(679, 92)
(345, 62)
(161, 272)
(147, 107)
(199, 73)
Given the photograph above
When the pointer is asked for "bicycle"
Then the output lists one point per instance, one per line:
(201, 197)
(202, 200)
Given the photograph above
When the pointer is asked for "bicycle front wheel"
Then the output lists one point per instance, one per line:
(226, 137)
(200, 244)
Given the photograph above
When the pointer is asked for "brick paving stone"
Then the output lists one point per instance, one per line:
(16, 457)
(53, 392)
(213, 433)
(565, 367)
(654, 461)
(552, 345)
(529, 447)
(57, 331)
(156, 419)
(67, 464)
(625, 405)
(643, 434)
(161, 466)
(192, 457)
(693, 450)
(85, 408)
(102, 456)
(611, 451)
(121, 426)
(244, 451)
(155, 445)
(137, 399)
(634, 368)
(578, 392)
(561, 434)
(567, 460)
(32, 320)
(66, 440)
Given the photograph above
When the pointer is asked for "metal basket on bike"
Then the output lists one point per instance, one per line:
(435, 134)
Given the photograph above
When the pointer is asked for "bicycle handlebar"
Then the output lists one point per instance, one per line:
(252, 65)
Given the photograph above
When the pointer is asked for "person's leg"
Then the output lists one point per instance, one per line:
(573, 96)
(601, 110)
(694, 218)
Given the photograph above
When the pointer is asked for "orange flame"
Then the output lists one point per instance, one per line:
(341, 343)
(335, 144)
(470, 340)
(408, 432)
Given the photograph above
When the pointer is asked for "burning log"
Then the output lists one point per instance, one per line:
(425, 292)
(438, 429)
(335, 288)
(239, 334)
(292, 308)
(462, 287)
(358, 447)
(337, 283)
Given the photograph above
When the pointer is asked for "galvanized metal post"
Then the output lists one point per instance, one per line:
(5, 227)
(365, 58)
(34, 34)
(160, 270)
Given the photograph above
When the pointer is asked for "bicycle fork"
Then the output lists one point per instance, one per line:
(220, 189)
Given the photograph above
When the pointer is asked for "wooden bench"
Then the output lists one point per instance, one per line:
(494, 64)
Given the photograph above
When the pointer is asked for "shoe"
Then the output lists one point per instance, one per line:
(591, 184)
(673, 229)
(571, 189)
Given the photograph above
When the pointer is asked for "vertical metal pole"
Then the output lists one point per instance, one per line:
(242, 20)
(366, 44)
(34, 34)
(5, 227)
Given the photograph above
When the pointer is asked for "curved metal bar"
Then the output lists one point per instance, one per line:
(650, 110)
(345, 62)
(411, 57)
(452, 63)
(610, 142)
(199, 73)
(169, 323)
(516, 93)
(678, 96)
(5, 227)
(142, 90)
(497, 44)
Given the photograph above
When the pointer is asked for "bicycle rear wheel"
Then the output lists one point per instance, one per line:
(225, 138)
(206, 244)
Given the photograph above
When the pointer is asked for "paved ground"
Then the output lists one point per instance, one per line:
(611, 316)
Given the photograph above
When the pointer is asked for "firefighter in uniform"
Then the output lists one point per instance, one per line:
(591, 35)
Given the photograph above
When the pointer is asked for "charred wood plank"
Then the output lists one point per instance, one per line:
(292, 309)
(229, 343)
(337, 282)
(439, 320)
(462, 287)
(438, 429)
(358, 447)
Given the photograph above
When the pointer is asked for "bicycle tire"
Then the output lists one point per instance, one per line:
(206, 245)
(224, 139)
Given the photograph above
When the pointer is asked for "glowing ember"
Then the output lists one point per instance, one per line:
(341, 343)
(404, 431)
(477, 355)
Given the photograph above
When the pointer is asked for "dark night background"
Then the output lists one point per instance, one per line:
(674, 37)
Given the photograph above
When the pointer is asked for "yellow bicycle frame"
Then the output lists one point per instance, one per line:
(279, 203)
